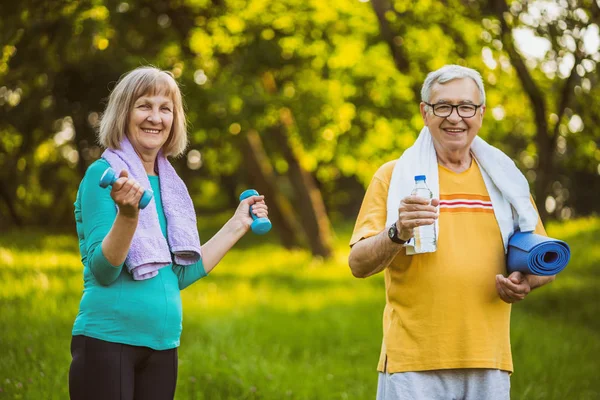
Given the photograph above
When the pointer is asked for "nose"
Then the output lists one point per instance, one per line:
(454, 117)
(154, 116)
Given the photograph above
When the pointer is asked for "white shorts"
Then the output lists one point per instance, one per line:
(450, 384)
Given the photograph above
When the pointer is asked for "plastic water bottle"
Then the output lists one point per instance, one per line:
(424, 235)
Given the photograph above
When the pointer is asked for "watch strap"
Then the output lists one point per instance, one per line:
(393, 234)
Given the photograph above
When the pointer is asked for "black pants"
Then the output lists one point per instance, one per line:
(113, 371)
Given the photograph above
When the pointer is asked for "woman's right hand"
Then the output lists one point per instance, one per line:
(126, 193)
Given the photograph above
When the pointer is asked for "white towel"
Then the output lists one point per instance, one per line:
(506, 185)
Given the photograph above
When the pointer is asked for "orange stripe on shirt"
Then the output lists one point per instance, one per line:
(464, 196)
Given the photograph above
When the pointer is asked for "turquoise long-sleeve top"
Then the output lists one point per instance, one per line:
(114, 307)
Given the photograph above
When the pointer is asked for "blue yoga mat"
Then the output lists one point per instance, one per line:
(536, 254)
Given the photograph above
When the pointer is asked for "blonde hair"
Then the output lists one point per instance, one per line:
(140, 82)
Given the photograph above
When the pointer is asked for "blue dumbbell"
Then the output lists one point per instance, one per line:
(260, 226)
(109, 177)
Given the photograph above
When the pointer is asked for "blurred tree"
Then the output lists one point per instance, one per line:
(88, 45)
(566, 68)
(57, 66)
(262, 176)
(339, 81)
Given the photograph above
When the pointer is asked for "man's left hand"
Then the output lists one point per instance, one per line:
(513, 288)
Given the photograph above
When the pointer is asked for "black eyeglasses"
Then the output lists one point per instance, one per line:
(444, 110)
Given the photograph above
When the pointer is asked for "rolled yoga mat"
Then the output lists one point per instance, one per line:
(536, 254)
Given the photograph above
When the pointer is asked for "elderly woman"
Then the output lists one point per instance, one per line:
(136, 262)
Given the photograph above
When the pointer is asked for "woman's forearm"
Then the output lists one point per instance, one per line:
(115, 245)
(215, 249)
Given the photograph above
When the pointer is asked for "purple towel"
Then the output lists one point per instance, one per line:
(149, 250)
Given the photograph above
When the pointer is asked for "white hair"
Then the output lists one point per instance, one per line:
(448, 73)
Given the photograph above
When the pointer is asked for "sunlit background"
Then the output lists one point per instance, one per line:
(302, 100)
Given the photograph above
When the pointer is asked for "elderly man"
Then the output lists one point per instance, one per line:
(447, 315)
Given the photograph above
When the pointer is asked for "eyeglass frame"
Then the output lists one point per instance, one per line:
(433, 106)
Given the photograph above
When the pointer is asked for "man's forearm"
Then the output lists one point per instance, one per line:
(372, 255)
(535, 281)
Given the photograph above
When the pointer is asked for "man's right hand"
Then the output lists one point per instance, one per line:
(126, 193)
(413, 212)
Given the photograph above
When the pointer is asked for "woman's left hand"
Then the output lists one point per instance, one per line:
(242, 214)
(237, 226)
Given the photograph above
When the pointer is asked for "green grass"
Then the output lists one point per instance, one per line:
(276, 324)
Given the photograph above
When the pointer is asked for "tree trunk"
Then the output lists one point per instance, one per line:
(314, 219)
(543, 138)
(229, 185)
(5, 195)
(261, 174)
(381, 7)
(82, 130)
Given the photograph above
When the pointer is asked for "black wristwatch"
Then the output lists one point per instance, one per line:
(393, 234)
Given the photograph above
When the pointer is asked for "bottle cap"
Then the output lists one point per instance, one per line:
(419, 178)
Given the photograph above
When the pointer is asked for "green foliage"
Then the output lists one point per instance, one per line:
(561, 62)
(324, 68)
(286, 326)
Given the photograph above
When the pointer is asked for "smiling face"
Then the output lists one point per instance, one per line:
(454, 134)
(150, 122)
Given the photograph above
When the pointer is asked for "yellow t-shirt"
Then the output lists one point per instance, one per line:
(442, 309)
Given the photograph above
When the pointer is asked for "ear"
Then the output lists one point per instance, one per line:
(424, 112)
